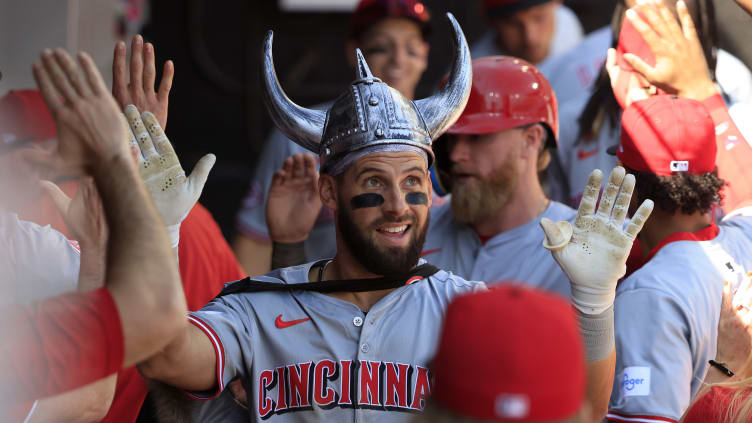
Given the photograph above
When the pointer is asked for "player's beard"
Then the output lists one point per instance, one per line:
(377, 259)
(483, 198)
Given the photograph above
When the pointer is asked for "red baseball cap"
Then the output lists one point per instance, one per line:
(665, 134)
(500, 8)
(369, 12)
(511, 353)
(25, 117)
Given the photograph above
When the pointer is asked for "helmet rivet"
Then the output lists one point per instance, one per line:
(379, 132)
(373, 101)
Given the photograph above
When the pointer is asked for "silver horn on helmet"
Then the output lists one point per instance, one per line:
(304, 126)
(442, 109)
(307, 126)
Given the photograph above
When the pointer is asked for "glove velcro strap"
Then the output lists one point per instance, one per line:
(598, 332)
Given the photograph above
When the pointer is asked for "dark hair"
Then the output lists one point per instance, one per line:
(602, 103)
(681, 191)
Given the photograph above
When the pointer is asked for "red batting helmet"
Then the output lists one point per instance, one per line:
(508, 93)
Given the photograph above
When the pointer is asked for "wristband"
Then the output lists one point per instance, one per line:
(722, 367)
(287, 254)
(174, 232)
(598, 332)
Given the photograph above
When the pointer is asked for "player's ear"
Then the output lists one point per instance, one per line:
(532, 138)
(328, 191)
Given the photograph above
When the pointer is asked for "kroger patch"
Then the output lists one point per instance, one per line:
(636, 381)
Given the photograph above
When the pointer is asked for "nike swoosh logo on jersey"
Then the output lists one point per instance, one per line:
(582, 154)
(281, 324)
(427, 252)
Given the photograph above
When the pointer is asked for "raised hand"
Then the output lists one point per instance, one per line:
(594, 252)
(173, 193)
(138, 87)
(91, 130)
(85, 217)
(293, 202)
(83, 214)
(680, 65)
(628, 86)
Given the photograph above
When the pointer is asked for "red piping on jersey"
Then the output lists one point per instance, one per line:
(427, 252)
(705, 234)
(218, 350)
(616, 417)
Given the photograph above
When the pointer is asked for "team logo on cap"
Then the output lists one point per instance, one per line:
(679, 166)
(512, 406)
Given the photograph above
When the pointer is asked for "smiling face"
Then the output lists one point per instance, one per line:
(396, 53)
(381, 207)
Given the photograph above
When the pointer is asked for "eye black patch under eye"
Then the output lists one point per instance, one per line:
(416, 198)
(366, 200)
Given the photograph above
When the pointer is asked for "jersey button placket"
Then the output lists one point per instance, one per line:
(357, 321)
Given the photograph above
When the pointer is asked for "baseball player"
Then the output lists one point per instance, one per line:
(349, 339)
(667, 311)
(490, 160)
(535, 30)
(393, 35)
(589, 114)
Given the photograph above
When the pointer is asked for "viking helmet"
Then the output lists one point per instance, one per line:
(370, 115)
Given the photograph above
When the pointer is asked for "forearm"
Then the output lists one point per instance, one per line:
(733, 156)
(84, 405)
(254, 256)
(598, 333)
(92, 270)
(187, 362)
(141, 273)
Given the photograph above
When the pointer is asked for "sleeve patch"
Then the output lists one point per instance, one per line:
(636, 381)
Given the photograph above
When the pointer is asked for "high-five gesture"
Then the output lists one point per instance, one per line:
(139, 88)
(680, 65)
(594, 252)
(294, 202)
(173, 193)
(91, 130)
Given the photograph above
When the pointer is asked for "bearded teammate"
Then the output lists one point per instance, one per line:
(345, 348)
(490, 160)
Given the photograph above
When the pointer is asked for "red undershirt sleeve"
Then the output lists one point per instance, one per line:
(58, 344)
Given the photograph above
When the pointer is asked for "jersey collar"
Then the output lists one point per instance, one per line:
(705, 234)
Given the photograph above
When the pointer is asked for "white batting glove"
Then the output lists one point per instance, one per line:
(173, 193)
(594, 252)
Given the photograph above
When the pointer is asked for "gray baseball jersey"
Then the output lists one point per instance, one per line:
(251, 219)
(36, 262)
(516, 254)
(666, 319)
(306, 355)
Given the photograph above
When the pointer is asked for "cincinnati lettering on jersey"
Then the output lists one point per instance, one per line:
(347, 384)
